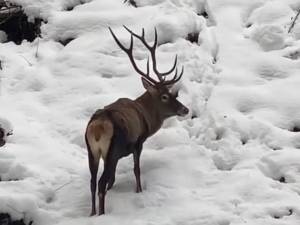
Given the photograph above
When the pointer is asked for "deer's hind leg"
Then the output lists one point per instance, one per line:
(108, 176)
(98, 136)
(93, 165)
(104, 182)
(136, 158)
(115, 152)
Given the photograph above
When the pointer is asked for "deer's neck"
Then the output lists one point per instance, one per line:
(150, 113)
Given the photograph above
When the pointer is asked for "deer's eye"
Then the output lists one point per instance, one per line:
(165, 98)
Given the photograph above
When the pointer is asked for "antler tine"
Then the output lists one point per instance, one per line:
(152, 50)
(148, 70)
(155, 38)
(161, 76)
(171, 70)
(118, 42)
(175, 78)
(129, 52)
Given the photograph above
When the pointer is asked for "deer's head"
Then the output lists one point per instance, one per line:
(2, 137)
(160, 90)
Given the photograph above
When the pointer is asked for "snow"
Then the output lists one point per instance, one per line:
(233, 160)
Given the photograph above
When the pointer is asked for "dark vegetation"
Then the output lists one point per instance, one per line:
(14, 22)
(5, 219)
(72, 5)
(193, 37)
(203, 13)
(282, 180)
(131, 2)
(296, 128)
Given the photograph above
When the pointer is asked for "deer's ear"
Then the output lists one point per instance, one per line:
(148, 86)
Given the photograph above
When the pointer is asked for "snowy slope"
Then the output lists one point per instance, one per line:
(234, 160)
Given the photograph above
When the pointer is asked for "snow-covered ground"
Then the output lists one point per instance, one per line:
(234, 160)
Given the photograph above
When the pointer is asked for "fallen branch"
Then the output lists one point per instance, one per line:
(294, 21)
(62, 186)
(8, 12)
(29, 63)
(37, 48)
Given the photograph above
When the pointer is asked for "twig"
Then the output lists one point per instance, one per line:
(294, 21)
(1, 68)
(57, 189)
(37, 48)
(29, 63)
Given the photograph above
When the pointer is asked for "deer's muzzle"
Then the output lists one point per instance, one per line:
(183, 111)
(2, 142)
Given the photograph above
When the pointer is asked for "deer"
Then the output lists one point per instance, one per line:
(120, 128)
(2, 137)
(5, 131)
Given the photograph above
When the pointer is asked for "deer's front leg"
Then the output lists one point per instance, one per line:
(136, 158)
(137, 172)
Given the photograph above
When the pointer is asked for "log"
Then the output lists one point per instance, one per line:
(7, 12)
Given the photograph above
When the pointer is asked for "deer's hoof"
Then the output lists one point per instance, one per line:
(101, 213)
(138, 190)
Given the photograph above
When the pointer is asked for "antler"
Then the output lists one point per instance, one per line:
(152, 49)
(130, 55)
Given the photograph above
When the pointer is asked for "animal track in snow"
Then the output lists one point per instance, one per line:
(226, 159)
(271, 72)
(293, 55)
(279, 214)
(280, 166)
(10, 170)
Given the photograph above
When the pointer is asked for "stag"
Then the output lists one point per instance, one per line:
(122, 127)
(5, 131)
(2, 137)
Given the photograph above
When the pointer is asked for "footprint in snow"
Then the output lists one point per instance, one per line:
(293, 55)
(271, 72)
(10, 169)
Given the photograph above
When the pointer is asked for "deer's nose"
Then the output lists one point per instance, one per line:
(183, 111)
(2, 142)
(2, 133)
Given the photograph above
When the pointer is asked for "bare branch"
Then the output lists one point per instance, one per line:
(62, 186)
(294, 21)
